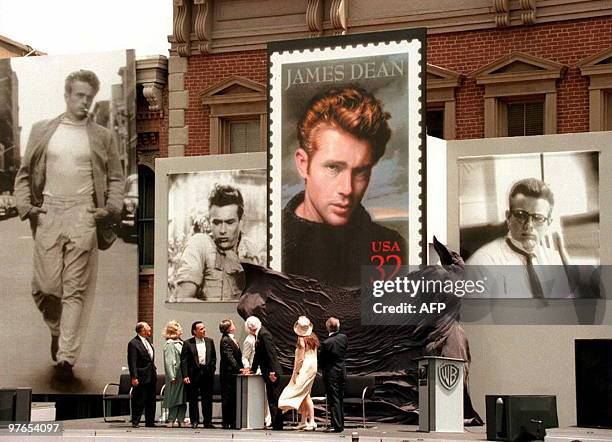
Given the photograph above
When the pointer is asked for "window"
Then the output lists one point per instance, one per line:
(238, 116)
(146, 216)
(520, 95)
(598, 68)
(525, 119)
(244, 136)
(440, 118)
(435, 123)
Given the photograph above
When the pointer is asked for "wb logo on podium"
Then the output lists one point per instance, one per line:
(448, 375)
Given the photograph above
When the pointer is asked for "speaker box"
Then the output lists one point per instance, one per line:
(15, 404)
(520, 418)
(594, 382)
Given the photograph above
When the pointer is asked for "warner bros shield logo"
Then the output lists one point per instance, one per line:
(448, 375)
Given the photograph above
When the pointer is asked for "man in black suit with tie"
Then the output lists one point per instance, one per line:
(230, 366)
(144, 375)
(331, 361)
(199, 362)
(266, 359)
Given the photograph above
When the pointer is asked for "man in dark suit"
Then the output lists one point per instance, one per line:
(266, 359)
(331, 361)
(141, 358)
(231, 365)
(199, 362)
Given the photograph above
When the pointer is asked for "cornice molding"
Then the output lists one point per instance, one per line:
(181, 27)
(256, 92)
(152, 69)
(502, 16)
(542, 69)
(338, 14)
(314, 16)
(203, 24)
(152, 74)
(439, 78)
(238, 25)
(528, 11)
(597, 64)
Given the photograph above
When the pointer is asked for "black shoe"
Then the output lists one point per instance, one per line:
(194, 425)
(150, 425)
(333, 430)
(209, 426)
(134, 425)
(64, 371)
(54, 347)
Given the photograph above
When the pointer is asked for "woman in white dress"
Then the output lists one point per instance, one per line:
(296, 394)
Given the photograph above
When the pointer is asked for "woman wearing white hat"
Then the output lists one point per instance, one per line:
(296, 394)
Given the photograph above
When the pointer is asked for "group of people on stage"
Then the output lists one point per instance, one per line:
(190, 367)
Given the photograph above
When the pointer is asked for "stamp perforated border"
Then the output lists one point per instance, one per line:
(410, 42)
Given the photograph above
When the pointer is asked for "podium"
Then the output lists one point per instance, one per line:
(440, 394)
(250, 400)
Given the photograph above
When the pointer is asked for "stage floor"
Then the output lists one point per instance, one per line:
(98, 430)
(380, 433)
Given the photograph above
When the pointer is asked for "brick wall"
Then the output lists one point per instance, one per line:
(150, 121)
(565, 42)
(154, 121)
(156, 125)
(206, 71)
(145, 299)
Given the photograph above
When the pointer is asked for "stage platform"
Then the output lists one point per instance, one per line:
(98, 430)
(578, 435)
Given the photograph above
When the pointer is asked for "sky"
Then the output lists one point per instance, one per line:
(81, 26)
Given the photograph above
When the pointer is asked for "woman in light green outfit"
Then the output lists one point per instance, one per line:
(174, 392)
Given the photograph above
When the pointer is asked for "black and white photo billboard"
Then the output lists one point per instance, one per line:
(216, 220)
(69, 286)
(529, 216)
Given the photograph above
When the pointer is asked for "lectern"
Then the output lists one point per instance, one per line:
(441, 394)
(250, 400)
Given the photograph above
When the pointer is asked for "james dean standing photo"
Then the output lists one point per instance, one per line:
(70, 188)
